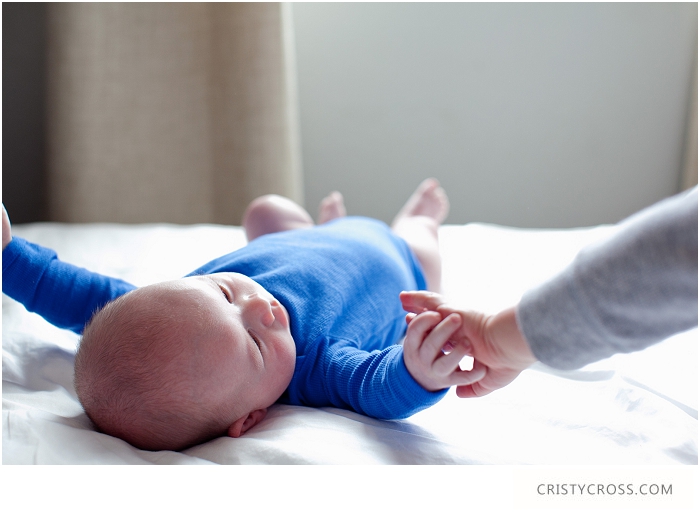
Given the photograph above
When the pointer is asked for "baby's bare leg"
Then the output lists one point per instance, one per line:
(332, 207)
(271, 214)
(417, 223)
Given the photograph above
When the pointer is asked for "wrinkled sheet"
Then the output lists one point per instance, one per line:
(638, 409)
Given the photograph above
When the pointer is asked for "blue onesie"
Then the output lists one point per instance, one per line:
(340, 283)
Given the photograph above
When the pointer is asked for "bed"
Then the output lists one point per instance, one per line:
(638, 409)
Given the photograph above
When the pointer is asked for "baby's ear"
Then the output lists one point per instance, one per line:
(240, 426)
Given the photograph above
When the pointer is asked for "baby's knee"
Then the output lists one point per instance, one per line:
(264, 207)
(272, 213)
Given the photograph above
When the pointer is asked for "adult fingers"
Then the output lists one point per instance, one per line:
(472, 390)
(420, 301)
(493, 380)
(464, 378)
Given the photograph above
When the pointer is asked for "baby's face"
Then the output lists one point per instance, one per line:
(239, 345)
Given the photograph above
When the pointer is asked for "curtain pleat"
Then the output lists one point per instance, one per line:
(170, 112)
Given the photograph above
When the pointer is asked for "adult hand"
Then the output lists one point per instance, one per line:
(495, 342)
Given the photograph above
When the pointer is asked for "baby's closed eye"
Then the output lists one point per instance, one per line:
(226, 294)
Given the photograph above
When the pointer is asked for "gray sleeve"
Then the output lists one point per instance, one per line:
(620, 295)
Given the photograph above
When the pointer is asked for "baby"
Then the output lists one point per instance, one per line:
(304, 314)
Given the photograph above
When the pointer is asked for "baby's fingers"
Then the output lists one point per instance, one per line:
(449, 361)
(6, 228)
(437, 340)
(419, 327)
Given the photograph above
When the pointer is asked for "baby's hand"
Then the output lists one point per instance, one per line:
(495, 342)
(6, 228)
(429, 356)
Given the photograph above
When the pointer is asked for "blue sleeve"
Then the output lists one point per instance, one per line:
(65, 295)
(375, 384)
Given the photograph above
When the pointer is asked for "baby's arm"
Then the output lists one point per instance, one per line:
(433, 360)
(397, 381)
(373, 383)
(6, 228)
(65, 295)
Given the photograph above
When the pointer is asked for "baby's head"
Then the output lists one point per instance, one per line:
(177, 363)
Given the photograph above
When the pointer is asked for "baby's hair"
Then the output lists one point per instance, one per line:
(128, 377)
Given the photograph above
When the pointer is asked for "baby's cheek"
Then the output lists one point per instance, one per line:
(290, 355)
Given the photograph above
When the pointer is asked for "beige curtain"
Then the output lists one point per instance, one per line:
(170, 112)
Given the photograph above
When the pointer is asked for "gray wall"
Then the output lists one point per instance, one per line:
(531, 115)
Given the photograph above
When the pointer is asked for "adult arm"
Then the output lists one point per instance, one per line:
(623, 294)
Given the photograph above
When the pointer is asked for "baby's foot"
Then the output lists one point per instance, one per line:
(332, 207)
(429, 200)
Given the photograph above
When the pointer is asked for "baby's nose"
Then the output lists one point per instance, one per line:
(261, 308)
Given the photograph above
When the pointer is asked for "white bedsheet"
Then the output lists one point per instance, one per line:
(639, 409)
